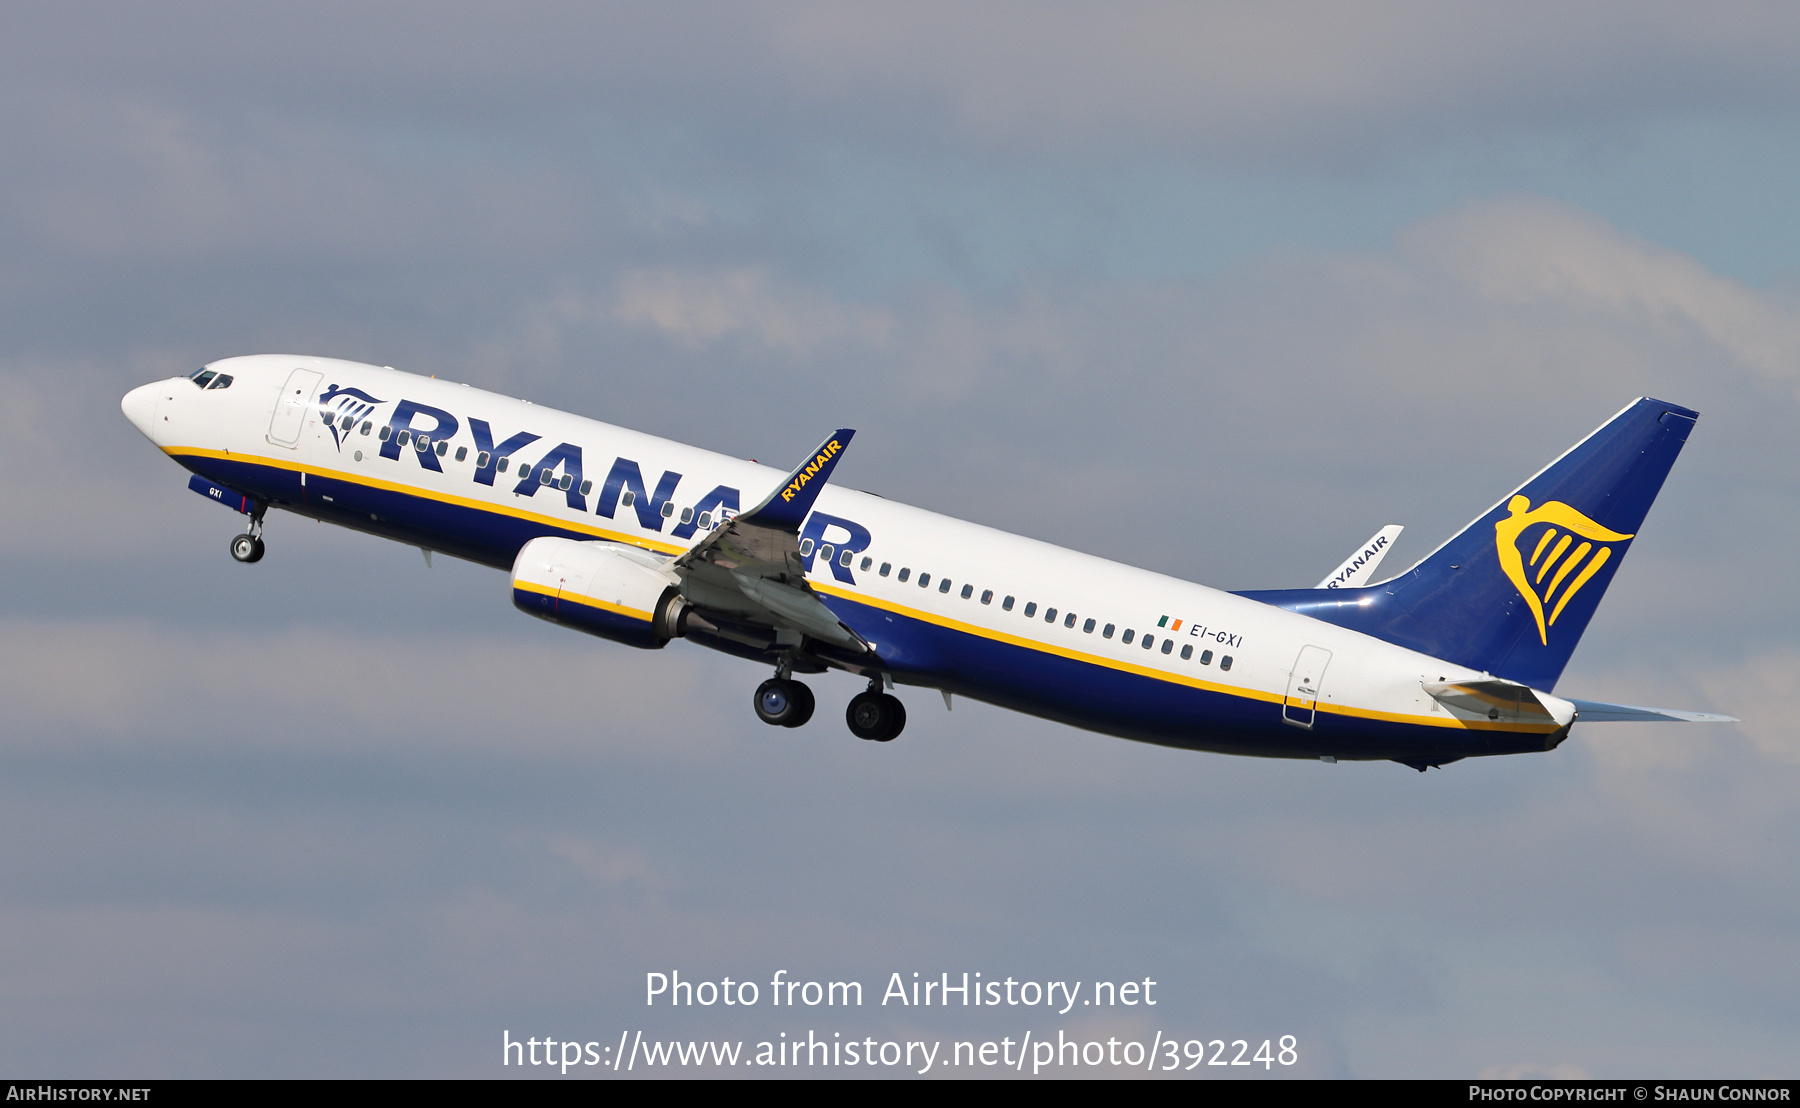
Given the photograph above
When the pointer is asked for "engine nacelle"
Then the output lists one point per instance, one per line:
(604, 588)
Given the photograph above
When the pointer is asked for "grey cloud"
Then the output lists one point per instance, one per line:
(339, 814)
(1269, 83)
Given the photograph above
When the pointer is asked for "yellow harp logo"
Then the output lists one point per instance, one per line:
(1538, 578)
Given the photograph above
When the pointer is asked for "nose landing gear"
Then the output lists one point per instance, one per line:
(248, 547)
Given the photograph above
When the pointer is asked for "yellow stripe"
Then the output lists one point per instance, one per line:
(1162, 675)
(582, 599)
(429, 494)
(1593, 567)
(914, 613)
(1569, 563)
(1551, 560)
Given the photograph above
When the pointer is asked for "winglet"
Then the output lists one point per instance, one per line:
(1359, 568)
(786, 508)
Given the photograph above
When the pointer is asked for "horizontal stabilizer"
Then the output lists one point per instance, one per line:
(786, 508)
(1359, 567)
(1495, 699)
(1595, 711)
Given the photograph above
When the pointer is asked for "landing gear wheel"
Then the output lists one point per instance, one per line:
(803, 704)
(783, 703)
(247, 548)
(875, 716)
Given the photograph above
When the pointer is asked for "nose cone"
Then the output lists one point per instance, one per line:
(139, 407)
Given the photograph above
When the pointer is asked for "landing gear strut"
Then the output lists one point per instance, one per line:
(876, 716)
(248, 547)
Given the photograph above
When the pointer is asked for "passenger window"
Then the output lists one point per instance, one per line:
(348, 422)
(627, 500)
(844, 558)
(905, 572)
(705, 520)
(504, 462)
(545, 477)
(385, 432)
(968, 591)
(866, 563)
(566, 481)
(442, 448)
(587, 487)
(422, 443)
(1006, 605)
(806, 548)
(1149, 641)
(1031, 609)
(524, 473)
(1049, 615)
(944, 585)
(1088, 627)
(1106, 633)
(825, 549)
(461, 453)
(1069, 621)
(365, 428)
(987, 596)
(403, 437)
(687, 516)
(1225, 662)
(924, 580)
(668, 508)
(222, 381)
(1168, 645)
(885, 566)
(1187, 652)
(1206, 657)
(1126, 637)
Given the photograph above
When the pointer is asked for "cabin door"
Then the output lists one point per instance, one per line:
(290, 407)
(1301, 702)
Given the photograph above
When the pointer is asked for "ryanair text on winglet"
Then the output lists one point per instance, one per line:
(793, 488)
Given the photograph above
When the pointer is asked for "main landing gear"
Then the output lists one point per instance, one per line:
(875, 715)
(248, 547)
(782, 701)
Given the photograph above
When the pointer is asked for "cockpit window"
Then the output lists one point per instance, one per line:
(222, 381)
(203, 378)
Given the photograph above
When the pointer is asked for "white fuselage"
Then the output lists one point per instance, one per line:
(957, 638)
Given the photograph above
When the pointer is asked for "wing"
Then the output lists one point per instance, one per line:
(751, 568)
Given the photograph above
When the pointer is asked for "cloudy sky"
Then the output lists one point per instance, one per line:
(1214, 289)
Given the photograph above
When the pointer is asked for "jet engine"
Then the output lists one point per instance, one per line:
(608, 589)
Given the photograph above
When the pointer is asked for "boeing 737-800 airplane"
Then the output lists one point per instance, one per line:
(642, 540)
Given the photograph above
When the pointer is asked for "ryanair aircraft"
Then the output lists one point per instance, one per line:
(641, 540)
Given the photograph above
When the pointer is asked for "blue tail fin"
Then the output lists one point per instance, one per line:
(1512, 593)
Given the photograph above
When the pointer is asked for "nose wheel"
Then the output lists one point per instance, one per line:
(248, 547)
(783, 702)
(876, 716)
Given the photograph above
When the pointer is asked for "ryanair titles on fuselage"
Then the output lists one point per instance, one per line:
(416, 428)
